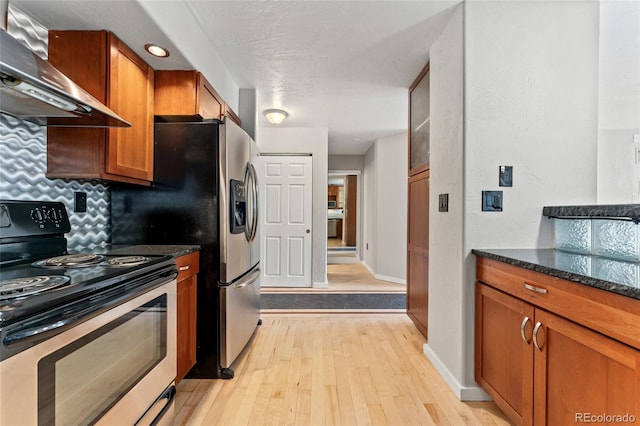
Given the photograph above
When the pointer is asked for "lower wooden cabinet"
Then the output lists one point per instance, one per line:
(504, 362)
(544, 369)
(579, 372)
(188, 267)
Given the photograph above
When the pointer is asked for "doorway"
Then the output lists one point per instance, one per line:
(343, 217)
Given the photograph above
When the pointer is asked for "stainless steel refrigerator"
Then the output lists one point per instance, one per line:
(204, 192)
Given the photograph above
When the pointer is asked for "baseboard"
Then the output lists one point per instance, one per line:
(320, 284)
(464, 393)
(383, 277)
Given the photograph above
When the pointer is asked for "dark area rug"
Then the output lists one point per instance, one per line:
(333, 301)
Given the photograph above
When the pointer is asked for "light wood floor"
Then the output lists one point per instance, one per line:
(331, 370)
(346, 278)
(335, 242)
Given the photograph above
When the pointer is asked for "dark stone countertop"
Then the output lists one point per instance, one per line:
(616, 276)
(153, 250)
(619, 211)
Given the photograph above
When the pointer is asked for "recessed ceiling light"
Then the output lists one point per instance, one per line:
(156, 50)
(275, 116)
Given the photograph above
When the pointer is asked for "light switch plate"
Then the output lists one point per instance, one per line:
(443, 202)
(505, 175)
(491, 201)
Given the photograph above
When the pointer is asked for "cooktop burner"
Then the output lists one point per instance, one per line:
(20, 287)
(126, 261)
(70, 261)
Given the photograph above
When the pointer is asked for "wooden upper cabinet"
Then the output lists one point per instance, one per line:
(419, 118)
(119, 78)
(181, 95)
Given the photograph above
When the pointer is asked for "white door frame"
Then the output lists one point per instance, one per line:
(359, 204)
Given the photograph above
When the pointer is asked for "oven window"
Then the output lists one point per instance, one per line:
(78, 383)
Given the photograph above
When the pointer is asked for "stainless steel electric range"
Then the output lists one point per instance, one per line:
(84, 337)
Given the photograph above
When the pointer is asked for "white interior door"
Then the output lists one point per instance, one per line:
(285, 216)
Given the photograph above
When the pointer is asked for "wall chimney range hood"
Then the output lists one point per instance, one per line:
(33, 90)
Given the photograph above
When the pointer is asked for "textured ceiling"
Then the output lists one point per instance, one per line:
(344, 65)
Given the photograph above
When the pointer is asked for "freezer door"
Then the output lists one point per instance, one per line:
(238, 203)
(239, 315)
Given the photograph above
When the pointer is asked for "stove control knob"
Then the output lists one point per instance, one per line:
(53, 215)
(37, 215)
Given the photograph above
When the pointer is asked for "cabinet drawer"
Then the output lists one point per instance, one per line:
(188, 265)
(614, 315)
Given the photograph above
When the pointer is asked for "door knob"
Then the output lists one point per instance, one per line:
(308, 231)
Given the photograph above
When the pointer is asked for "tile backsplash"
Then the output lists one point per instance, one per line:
(607, 238)
(23, 164)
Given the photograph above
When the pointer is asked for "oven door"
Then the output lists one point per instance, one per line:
(107, 370)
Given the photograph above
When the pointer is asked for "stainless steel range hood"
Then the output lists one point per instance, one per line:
(33, 90)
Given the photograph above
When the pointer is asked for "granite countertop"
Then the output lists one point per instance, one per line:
(151, 250)
(616, 276)
(600, 211)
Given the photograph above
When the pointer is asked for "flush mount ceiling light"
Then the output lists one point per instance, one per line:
(275, 116)
(156, 50)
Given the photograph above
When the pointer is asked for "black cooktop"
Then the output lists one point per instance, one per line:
(70, 283)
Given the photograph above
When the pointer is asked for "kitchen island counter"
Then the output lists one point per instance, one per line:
(616, 276)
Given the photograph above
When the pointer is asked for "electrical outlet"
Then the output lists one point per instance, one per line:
(80, 205)
(443, 202)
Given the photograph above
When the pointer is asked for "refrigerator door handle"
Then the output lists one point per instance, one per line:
(249, 279)
(251, 181)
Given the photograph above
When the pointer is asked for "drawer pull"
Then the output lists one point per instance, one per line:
(522, 329)
(184, 268)
(536, 329)
(536, 289)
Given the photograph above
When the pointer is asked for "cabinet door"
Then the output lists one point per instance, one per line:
(419, 123)
(130, 150)
(580, 373)
(210, 103)
(504, 360)
(186, 325)
(418, 251)
(188, 268)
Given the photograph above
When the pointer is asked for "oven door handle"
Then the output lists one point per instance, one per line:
(44, 330)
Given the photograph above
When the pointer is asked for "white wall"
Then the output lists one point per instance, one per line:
(619, 102)
(530, 101)
(446, 173)
(385, 208)
(369, 211)
(314, 141)
(346, 162)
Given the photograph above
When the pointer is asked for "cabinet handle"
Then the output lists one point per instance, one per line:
(522, 328)
(184, 268)
(536, 289)
(536, 329)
